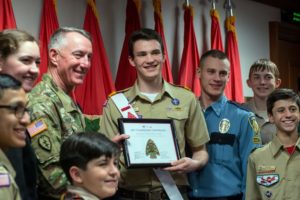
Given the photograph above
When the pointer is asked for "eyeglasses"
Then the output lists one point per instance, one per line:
(19, 110)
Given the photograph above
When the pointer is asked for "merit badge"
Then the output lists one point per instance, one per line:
(175, 102)
(224, 125)
(45, 143)
(151, 149)
(268, 194)
(267, 179)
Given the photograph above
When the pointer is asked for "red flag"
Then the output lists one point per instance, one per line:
(126, 74)
(234, 86)
(98, 83)
(7, 18)
(190, 56)
(159, 27)
(215, 34)
(49, 24)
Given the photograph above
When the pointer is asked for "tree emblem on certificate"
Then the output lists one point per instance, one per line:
(151, 149)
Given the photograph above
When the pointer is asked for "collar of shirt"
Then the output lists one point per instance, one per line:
(134, 92)
(276, 145)
(218, 105)
(67, 102)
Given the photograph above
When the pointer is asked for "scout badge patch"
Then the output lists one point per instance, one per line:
(267, 179)
(224, 125)
(36, 127)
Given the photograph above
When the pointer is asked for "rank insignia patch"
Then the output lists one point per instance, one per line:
(45, 143)
(267, 179)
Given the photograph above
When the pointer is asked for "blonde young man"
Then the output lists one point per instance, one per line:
(233, 135)
(263, 79)
(152, 97)
(273, 170)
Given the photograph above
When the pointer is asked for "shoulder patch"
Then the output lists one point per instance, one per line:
(4, 177)
(45, 143)
(36, 127)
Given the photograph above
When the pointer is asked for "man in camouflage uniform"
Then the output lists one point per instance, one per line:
(14, 118)
(53, 113)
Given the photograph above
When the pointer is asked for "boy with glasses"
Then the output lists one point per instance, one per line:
(14, 118)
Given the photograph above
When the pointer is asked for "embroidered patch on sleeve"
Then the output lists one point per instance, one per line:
(4, 180)
(36, 127)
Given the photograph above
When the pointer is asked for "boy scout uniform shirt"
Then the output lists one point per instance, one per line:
(274, 174)
(267, 129)
(8, 187)
(174, 103)
(234, 133)
(54, 117)
(77, 193)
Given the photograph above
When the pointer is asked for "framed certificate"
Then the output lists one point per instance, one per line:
(152, 142)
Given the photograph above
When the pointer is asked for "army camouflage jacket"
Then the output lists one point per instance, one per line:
(54, 117)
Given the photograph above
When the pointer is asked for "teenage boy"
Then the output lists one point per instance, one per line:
(263, 79)
(273, 170)
(90, 162)
(13, 121)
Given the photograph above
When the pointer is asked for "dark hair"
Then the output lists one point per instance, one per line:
(10, 41)
(213, 53)
(79, 149)
(262, 65)
(8, 82)
(281, 94)
(144, 34)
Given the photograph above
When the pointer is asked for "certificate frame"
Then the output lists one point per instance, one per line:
(151, 142)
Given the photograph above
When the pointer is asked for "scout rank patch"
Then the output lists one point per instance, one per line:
(255, 127)
(45, 143)
(224, 125)
(267, 180)
(4, 177)
(36, 127)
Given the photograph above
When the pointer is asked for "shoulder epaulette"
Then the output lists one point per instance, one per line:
(239, 105)
(119, 91)
(180, 86)
(258, 147)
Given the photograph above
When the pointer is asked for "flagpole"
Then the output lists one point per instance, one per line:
(213, 4)
(228, 8)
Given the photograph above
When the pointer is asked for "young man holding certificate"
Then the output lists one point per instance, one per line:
(152, 97)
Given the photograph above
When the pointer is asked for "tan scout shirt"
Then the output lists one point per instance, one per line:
(267, 129)
(8, 187)
(57, 117)
(273, 174)
(189, 123)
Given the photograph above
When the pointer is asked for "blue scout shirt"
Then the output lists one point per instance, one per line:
(234, 134)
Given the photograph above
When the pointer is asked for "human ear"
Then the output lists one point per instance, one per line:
(75, 174)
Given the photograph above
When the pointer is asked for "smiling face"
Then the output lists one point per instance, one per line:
(23, 65)
(263, 83)
(12, 133)
(286, 116)
(72, 60)
(99, 178)
(148, 59)
(214, 74)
